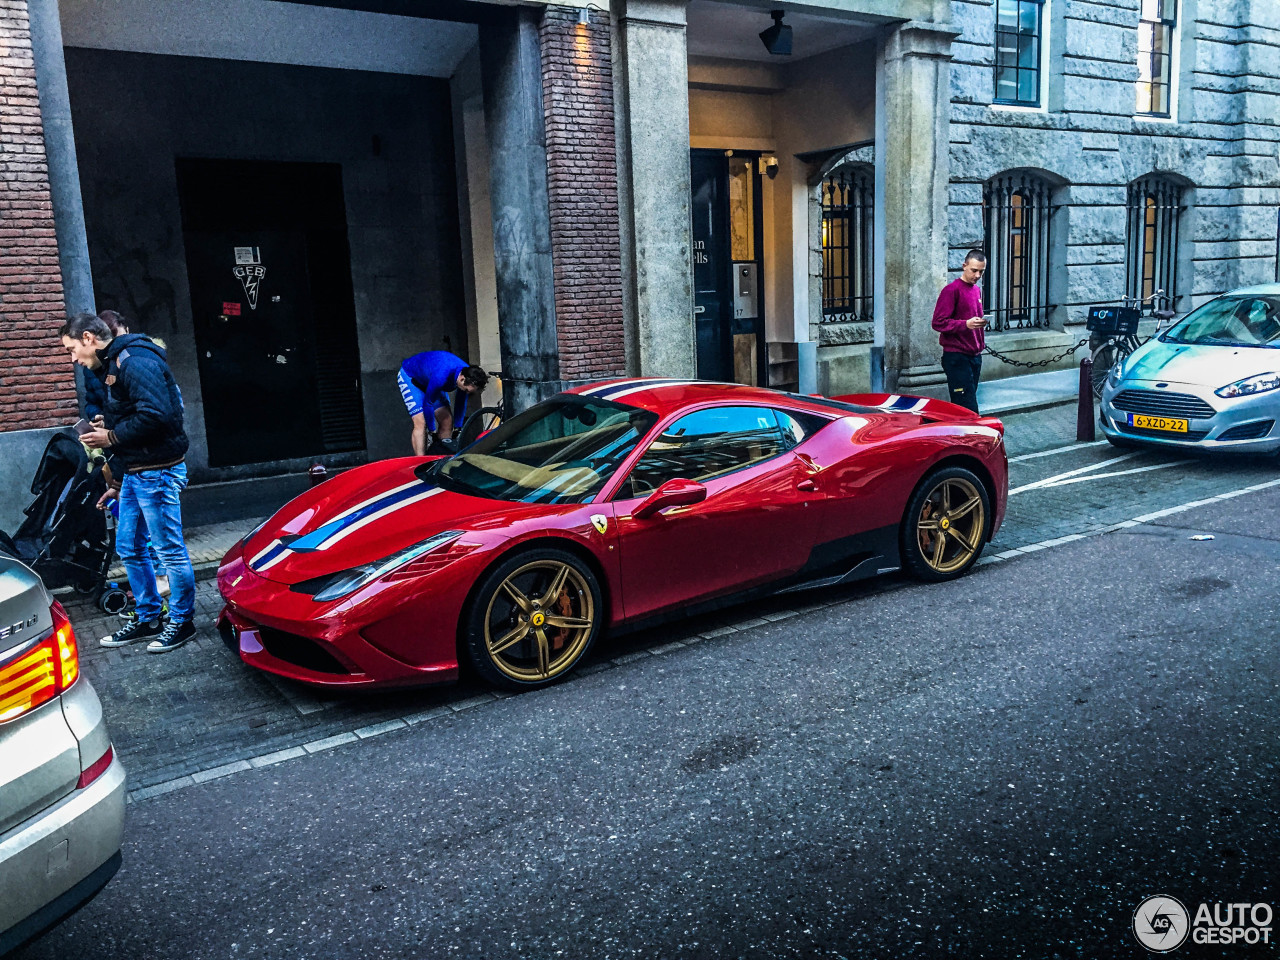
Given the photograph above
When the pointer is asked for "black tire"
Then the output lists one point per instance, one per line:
(960, 540)
(516, 596)
(478, 424)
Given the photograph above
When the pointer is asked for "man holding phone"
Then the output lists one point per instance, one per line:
(143, 429)
(960, 324)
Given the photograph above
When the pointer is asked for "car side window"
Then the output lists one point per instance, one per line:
(798, 426)
(707, 444)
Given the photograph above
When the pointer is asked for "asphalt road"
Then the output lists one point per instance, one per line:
(1005, 765)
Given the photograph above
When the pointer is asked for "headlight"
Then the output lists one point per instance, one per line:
(1115, 374)
(1256, 384)
(335, 585)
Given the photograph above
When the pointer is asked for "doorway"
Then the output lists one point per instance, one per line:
(728, 267)
(271, 298)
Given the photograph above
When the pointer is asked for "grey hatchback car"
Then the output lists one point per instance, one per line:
(62, 790)
(1210, 382)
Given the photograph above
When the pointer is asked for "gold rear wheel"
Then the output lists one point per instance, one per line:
(946, 525)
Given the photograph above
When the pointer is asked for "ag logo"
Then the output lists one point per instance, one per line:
(1161, 924)
(600, 522)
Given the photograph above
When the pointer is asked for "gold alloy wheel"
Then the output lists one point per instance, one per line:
(951, 524)
(538, 621)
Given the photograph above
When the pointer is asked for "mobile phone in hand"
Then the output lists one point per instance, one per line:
(83, 426)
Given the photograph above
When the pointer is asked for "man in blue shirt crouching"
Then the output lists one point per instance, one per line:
(426, 379)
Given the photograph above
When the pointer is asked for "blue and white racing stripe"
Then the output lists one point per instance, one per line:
(612, 391)
(345, 524)
(904, 404)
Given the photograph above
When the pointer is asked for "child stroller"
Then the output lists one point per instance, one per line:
(65, 538)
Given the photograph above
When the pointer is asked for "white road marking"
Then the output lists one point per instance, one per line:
(1050, 481)
(1050, 453)
(1119, 473)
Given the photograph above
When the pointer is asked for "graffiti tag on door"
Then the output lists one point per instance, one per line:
(249, 271)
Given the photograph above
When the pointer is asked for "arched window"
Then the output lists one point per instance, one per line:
(1015, 216)
(1151, 240)
(847, 196)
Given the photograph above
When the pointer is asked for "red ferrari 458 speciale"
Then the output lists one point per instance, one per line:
(614, 503)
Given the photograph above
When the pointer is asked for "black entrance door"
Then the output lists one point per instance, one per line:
(727, 266)
(271, 297)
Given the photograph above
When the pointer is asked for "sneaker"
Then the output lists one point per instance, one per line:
(133, 632)
(174, 635)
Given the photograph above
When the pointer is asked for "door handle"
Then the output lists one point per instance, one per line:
(807, 486)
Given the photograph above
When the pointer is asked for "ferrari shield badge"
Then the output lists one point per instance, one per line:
(600, 522)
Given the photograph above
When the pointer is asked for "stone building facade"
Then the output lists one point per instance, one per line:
(1215, 154)
(573, 191)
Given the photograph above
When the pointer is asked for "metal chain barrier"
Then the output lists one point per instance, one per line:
(1037, 363)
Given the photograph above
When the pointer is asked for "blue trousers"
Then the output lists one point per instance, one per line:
(150, 505)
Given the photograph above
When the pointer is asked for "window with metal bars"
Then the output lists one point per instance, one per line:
(1015, 215)
(1157, 21)
(1017, 63)
(1151, 240)
(847, 203)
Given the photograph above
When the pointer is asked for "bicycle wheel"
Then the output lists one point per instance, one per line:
(1107, 355)
(478, 424)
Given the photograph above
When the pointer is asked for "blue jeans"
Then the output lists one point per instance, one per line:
(149, 505)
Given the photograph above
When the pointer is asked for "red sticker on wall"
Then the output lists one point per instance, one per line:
(230, 309)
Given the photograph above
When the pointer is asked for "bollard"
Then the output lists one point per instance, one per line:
(317, 474)
(1084, 408)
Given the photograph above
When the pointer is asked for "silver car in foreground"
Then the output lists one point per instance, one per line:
(62, 790)
(1211, 382)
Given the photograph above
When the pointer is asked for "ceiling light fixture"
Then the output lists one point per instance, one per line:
(777, 39)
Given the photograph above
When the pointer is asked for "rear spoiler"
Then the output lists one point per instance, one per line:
(926, 407)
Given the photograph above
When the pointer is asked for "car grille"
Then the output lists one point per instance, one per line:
(1162, 404)
(1248, 431)
(1162, 434)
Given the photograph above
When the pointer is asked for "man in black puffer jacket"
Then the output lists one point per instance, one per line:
(142, 431)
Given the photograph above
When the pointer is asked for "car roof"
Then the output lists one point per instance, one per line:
(665, 396)
(1272, 289)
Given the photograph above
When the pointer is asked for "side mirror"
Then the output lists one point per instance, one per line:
(673, 493)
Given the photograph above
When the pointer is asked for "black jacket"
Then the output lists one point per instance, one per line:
(144, 407)
(95, 394)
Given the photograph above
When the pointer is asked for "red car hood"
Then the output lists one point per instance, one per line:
(363, 515)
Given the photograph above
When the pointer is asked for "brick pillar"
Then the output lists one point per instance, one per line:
(37, 385)
(582, 180)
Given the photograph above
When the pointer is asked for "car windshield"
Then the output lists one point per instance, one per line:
(562, 450)
(1251, 320)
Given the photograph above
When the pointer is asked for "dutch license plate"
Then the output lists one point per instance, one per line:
(1168, 424)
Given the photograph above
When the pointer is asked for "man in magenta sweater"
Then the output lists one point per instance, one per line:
(960, 324)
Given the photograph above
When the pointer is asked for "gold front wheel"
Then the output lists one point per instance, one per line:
(535, 617)
(945, 528)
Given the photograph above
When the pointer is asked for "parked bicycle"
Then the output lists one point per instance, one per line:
(488, 417)
(1113, 332)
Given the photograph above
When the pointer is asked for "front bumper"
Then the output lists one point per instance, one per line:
(1235, 425)
(399, 640)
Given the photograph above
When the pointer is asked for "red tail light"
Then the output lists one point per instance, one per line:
(43, 672)
(96, 769)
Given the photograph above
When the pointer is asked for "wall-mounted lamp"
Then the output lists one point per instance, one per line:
(584, 16)
(777, 39)
(768, 165)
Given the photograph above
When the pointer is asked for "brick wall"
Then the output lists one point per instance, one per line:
(37, 386)
(577, 83)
